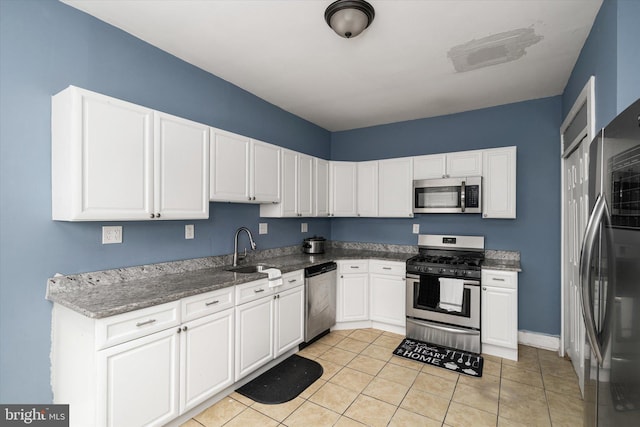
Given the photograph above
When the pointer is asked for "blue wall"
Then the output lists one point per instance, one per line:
(533, 127)
(46, 46)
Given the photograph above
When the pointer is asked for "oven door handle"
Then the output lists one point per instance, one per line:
(462, 196)
(444, 328)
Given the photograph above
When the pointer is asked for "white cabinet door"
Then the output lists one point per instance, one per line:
(254, 335)
(367, 188)
(343, 193)
(102, 158)
(395, 188)
(289, 202)
(430, 166)
(138, 381)
(499, 183)
(387, 298)
(499, 316)
(181, 168)
(289, 319)
(265, 172)
(206, 358)
(229, 180)
(305, 185)
(321, 187)
(353, 290)
(464, 163)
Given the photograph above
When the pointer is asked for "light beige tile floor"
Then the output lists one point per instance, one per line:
(364, 384)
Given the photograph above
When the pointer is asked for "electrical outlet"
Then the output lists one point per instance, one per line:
(304, 227)
(416, 228)
(111, 234)
(189, 232)
(263, 228)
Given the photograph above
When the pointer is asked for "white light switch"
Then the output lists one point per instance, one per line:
(304, 227)
(263, 228)
(416, 228)
(189, 231)
(111, 234)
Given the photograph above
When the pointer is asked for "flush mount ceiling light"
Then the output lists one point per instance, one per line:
(348, 18)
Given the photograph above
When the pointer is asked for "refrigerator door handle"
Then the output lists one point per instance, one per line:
(600, 212)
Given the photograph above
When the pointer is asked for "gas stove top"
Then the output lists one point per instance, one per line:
(451, 256)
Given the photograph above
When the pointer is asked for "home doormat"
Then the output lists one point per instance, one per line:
(443, 357)
(283, 382)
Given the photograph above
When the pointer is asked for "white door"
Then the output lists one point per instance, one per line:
(289, 319)
(254, 335)
(343, 191)
(305, 185)
(206, 355)
(430, 166)
(181, 168)
(367, 189)
(464, 163)
(116, 164)
(229, 179)
(395, 188)
(499, 316)
(138, 381)
(499, 183)
(387, 299)
(321, 185)
(265, 165)
(353, 297)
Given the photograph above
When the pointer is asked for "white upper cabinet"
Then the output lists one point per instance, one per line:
(114, 160)
(499, 183)
(367, 188)
(395, 188)
(321, 187)
(296, 188)
(343, 189)
(243, 170)
(458, 164)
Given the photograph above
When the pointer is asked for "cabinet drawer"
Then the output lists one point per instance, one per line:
(204, 304)
(135, 324)
(387, 267)
(356, 266)
(252, 291)
(500, 279)
(291, 280)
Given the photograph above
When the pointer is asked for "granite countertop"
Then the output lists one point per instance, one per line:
(502, 260)
(107, 293)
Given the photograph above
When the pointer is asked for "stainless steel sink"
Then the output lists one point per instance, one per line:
(247, 269)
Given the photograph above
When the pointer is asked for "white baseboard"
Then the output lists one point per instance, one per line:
(535, 339)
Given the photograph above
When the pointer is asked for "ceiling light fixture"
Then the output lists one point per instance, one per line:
(348, 18)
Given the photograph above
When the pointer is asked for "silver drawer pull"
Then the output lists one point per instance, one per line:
(146, 322)
(354, 266)
(293, 280)
(257, 291)
(497, 279)
(386, 268)
(211, 302)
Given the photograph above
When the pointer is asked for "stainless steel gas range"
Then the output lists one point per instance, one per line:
(443, 291)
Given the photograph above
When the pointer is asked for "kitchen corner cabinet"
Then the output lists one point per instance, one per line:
(456, 164)
(143, 367)
(269, 321)
(343, 189)
(499, 308)
(387, 291)
(296, 190)
(243, 170)
(367, 188)
(353, 291)
(116, 161)
(321, 187)
(499, 183)
(395, 189)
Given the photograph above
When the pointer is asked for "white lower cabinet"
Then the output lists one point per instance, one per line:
(269, 323)
(353, 291)
(387, 291)
(499, 318)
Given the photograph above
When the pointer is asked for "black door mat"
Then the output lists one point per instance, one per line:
(443, 357)
(283, 382)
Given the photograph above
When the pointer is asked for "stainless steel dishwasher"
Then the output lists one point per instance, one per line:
(320, 282)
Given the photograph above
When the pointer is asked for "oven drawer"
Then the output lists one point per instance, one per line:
(445, 335)
(500, 279)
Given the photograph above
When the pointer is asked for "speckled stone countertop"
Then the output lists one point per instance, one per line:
(110, 292)
(502, 260)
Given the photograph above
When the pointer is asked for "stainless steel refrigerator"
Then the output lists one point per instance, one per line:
(610, 275)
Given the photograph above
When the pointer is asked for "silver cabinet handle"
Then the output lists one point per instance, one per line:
(386, 268)
(462, 196)
(484, 289)
(354, 266)
(158, 215)
(497, 279)
(257, 291)
(146, 322)
(293, 280)
(211, 302)
(152, 215)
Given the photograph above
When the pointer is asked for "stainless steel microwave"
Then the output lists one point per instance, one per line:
(448, 195)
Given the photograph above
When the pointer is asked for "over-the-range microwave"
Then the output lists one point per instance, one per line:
(448, 195)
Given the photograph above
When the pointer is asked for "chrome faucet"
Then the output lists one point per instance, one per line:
(235, 244)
